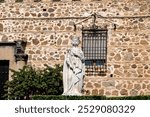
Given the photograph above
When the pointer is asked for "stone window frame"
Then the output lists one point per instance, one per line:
(9, 51)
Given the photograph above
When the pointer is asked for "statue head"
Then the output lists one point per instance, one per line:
(75, 41)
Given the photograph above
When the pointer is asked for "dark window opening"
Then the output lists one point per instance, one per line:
(1, 1)
(4, 74)
(94, 46)
(18, 0)
(37, 0)
(56, 0)
(44, 9)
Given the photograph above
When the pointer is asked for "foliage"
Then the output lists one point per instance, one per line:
(51, 81)
(28, 81)
(140, 97)
(61, 97)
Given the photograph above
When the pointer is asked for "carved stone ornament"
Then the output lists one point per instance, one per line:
(20, 51)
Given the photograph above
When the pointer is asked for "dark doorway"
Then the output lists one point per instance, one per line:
(4, 74)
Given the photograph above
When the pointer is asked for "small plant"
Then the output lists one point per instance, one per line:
(62, 97)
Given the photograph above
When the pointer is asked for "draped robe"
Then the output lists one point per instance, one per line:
(73, 72)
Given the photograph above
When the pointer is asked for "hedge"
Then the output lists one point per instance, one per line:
(140, 97)
(62, 97)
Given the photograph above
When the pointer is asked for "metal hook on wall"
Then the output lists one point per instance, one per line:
(94, 16)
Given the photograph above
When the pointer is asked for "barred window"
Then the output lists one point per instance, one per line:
(94, 46)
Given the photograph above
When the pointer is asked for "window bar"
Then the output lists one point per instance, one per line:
(106, 37)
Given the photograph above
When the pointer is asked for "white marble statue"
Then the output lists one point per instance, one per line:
(73, 70)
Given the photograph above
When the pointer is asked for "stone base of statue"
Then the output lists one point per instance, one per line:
(73, 94)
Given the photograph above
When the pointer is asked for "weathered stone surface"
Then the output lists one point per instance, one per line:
(112, 54)
(108, 83)
(133, 92)
(117, 57)
(44, 43)
(117, 72)
(144, 42)
(135, 54)
(141, 93)
(137, 86)
(87, 92)
(125, 86)
(143, 86)
(126, 8)
(130, 86)
(33, 14)
(148, 86)
(116, 66)
(97, 85)
(115, 93)
(51, 10)
(143, 7)
(4, 38)
(89, 85)
(65, 42)
(1, 27)
(68, 28)
(62, 57)
(148, 71)
(59, 41)
(38, 52)
(94, 92)
(45, 14)
(27, 14)
(128, 56)
(31, 52)
(101, 92)
(119, 86)
(134, 66)
(39, 15)
(35, 41)
(124, 92)
(108, 93)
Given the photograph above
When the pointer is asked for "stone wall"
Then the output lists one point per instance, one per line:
(48, 27)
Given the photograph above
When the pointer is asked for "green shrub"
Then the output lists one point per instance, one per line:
(28, 81)
(62, 97)
(140, 97)
(51, 82)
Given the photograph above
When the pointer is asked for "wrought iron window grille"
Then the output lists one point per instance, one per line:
(94, 46)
